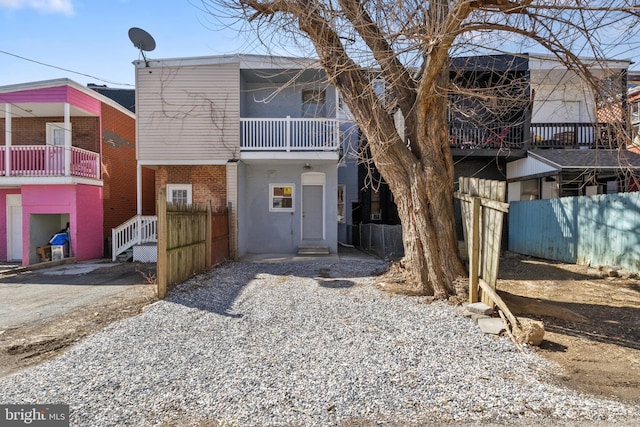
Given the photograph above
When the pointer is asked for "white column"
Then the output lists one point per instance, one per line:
(139, 189)
(67, 139)
(232, 202)
(7, 139)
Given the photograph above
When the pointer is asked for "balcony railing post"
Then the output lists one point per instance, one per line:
(67, 139)
(7, 138)
(138, 230)
(288, 134)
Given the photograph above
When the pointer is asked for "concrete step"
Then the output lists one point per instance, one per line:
(313, 250)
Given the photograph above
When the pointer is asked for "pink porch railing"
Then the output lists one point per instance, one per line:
(289, 134)
(48, 160)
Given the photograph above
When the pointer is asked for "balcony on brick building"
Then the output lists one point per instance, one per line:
(49, 136)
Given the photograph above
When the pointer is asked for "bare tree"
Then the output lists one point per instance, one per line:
(409, 44)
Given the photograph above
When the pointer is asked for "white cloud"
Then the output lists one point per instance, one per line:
(45, 6)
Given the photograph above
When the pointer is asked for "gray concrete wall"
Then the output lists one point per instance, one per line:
(281, 232)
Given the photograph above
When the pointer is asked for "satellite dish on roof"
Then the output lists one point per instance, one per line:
(142, 40)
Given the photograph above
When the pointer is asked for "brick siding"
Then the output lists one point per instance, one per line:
(33, 131)
(209, 182)
(118, 167)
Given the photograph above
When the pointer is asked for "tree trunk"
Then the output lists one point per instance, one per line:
(425, 207)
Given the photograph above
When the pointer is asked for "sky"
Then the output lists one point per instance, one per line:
(89, 38)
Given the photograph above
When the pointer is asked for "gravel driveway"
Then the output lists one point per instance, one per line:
(301, 344)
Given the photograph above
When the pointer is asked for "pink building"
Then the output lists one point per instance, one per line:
(67, 159)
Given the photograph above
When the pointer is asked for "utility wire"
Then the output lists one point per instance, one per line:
(66, 69)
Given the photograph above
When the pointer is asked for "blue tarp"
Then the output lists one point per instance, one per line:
(59, 239)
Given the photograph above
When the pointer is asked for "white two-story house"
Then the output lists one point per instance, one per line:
(259, 134)
(577, 146)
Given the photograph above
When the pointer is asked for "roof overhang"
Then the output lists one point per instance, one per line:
(244, 61)
(47, 99)
(542, 163)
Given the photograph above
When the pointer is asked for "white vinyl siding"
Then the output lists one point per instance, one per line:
(189, 113)
(528, 167)
(567, 99)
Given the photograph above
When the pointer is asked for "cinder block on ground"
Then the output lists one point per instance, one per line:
(475, 317)
(492, 325)
(479, 308)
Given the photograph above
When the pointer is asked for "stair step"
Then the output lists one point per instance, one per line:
(313, 250)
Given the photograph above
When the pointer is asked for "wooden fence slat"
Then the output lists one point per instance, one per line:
(492, 236)
(493, 204)
(483, 207)
(490, 290)
(474, 253)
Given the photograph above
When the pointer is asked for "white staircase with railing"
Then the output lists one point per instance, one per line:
(140, 232)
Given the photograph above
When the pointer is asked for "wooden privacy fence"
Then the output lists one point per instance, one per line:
(220, 236)
(184, 242)
(483, 208)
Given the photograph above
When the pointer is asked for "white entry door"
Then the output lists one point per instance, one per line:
(14, 227)
(55, 139)
(312, 212)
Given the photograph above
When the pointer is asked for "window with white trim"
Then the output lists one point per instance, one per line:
(281, 197)
(314, 95)
(179, 194)
(635, 112)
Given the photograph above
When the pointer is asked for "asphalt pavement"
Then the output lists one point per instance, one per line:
(31, 297)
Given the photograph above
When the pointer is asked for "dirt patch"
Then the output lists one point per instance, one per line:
(591, 322)
(590, 319)
(30, 345)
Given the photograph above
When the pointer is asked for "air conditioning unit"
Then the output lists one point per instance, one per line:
(376, 216)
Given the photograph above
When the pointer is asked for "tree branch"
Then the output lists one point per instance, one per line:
(397, 75)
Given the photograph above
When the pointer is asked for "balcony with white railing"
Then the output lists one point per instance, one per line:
(48, 161)
(289, 135)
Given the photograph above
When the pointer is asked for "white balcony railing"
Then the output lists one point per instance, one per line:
(289, 134)
(48, 161)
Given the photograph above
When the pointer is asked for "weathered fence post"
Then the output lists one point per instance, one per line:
(474, 250)
(208, 243)
(161, 267)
